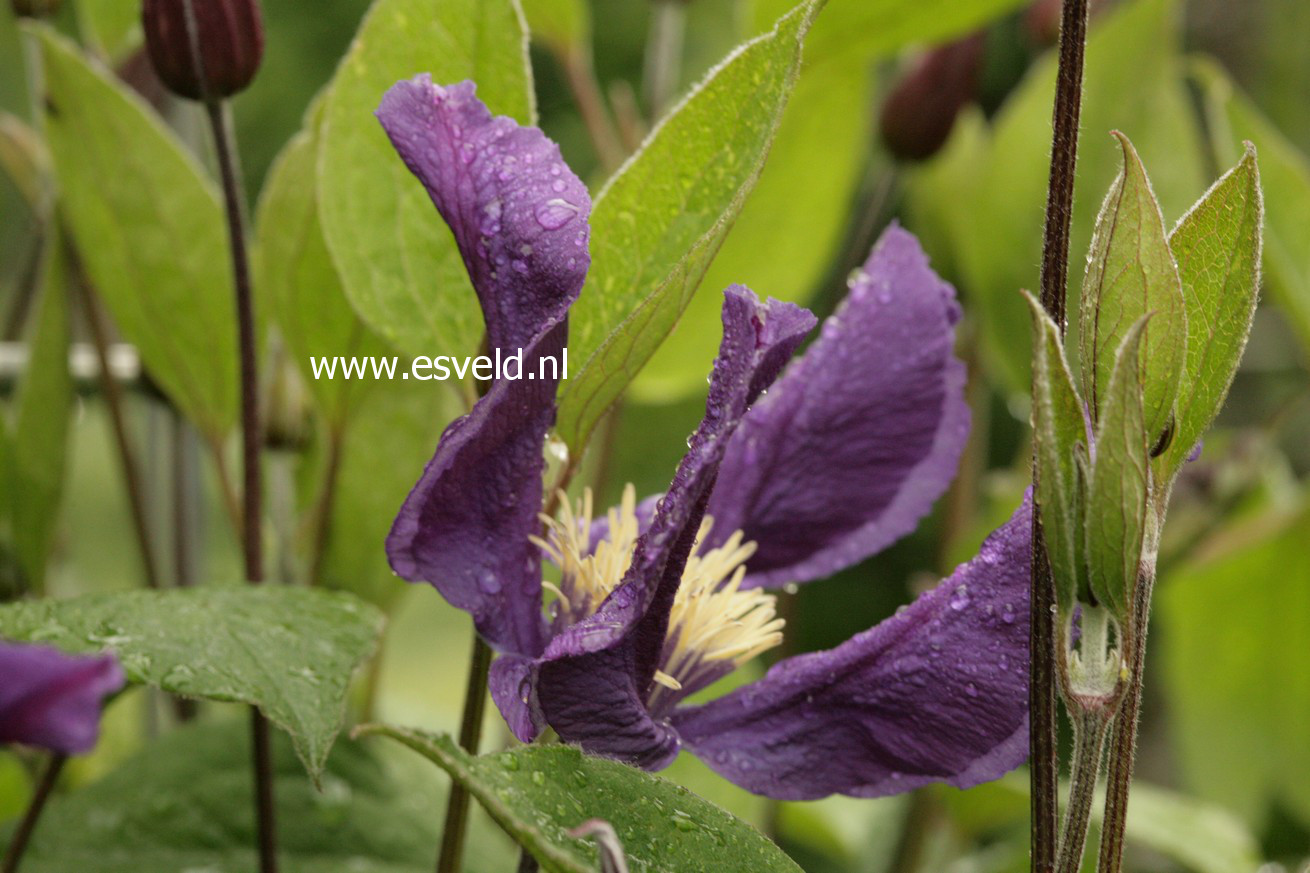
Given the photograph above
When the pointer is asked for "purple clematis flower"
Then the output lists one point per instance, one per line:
(52, 700)
(790, 477)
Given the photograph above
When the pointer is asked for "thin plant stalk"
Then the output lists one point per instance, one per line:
(1123, 742)
(18, 845)
(1043, 714)
(1091, 725)
(470, 738)
(234, 207)
(580, 73)
(663, 64)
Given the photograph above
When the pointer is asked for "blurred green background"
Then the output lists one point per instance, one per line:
(1228, 690)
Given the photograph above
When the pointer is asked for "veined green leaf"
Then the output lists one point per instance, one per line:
(1058, 426)
(1217, 247)
(661, 219)
(396, 258)
(296, 276)
(783, 243)
(1236, 674)
(1115, 520)
(1285, 171)
(1131, 273)
(148, 225)
(538, 793)
(40, 438)
(289, 651)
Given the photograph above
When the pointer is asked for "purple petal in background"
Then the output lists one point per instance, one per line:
(520, 219)
(937, 692)
(52, 700)
(594, 678)
(860, 436)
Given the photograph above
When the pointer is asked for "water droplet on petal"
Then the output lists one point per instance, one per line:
(555, 213)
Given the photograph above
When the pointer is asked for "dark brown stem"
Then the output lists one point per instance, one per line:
(323, 509)
(527, 863)
(470, 737)
(18, 845)
(234, 208)
(113, 394)
(1054, 282)
(184, 501)
(1123, 741)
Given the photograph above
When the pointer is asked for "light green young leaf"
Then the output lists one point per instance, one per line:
(1131, 273)
(296, 276)
(1058, 426)
(661, 219)
(289, 651)
(981, 200)
(789, 231)
(110, 27)
(1217, 247)
(1285, 171)
(1115, 520)
(396, 258)
(40, 438)
(148, 225)
(1237, 674)
(538, 793)
(183, 804)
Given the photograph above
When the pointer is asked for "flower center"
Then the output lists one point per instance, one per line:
(714, 626)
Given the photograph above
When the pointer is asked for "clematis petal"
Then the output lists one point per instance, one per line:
(519, 217)
(594, 678)
(518, 214)
(512, 682)
(860, 436)
(937, 692)
(52, 700)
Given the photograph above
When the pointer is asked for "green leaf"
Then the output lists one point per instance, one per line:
(1201, 836)
(562, 25)
(295, 274)
(1058, 426)
(396, 257)
(40, 436)
(980, 202)
(1237, 674)
(876, 28)
(1285, 171)
(183, 804)
(1131, 273)
(289, 651)
(148, 224)
(24, 159)
(111, 27)
(1115, 519)
(784, 242)
(1217, 247)
(658, 223)
(537, 793)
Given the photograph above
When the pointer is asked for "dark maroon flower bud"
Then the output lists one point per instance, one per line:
(921, 108)
(34, 8)
(230, 34)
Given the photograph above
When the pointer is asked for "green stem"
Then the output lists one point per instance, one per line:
(470, 737)
(17, 846)
(1090, 728)
(1044, 772)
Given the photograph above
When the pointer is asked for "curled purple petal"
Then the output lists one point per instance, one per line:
(512, 682)
(937, 692)
(502, 188)
(51, 699)
(595, 677)
(860, 436)
(519, 215)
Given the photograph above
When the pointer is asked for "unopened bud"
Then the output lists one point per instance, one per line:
(230, 34)
(34, 8)
(921, 108)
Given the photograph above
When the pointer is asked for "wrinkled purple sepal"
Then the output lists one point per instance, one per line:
(937, 692)
(595, 677)
(860, 436)
(51, 699)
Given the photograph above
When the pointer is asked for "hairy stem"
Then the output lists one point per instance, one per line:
(1090, 728)
(470, 737)
(234, 207)
(1054, 281)
(18, 845)
(1123, 742)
